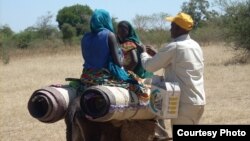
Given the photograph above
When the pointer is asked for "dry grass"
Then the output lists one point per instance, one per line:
(227, 90)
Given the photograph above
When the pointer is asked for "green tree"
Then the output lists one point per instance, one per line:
(24, 38)
(237, 22)
(6, 35)
(6, 31)
(77, 16)
(68, 33)
(199, 11)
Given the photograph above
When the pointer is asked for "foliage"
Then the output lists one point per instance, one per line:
(68, 33)
(24, 38)
(152, 29)
(6, 35)
(43, 30)
(211, 32)
(44, 27)
(237, 22)
(77, 16)
(4, 51)
(198, 9)
(147, 22)
(231, 26)
(140, 22)
(6, 31)
(154, 37)
(50, 44)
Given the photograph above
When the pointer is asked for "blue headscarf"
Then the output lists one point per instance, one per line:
(101, 20)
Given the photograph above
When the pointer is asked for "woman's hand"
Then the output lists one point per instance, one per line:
(151, 50)
(141, 48)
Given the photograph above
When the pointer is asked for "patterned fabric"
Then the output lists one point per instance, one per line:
(127, 47)
(91, 77)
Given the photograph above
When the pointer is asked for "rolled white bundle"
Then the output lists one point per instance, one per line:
(49, 104)
(105, 103)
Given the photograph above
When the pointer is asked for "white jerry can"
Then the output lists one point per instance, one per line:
(164, 101)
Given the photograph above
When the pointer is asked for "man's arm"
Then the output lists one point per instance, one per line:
(160, 60)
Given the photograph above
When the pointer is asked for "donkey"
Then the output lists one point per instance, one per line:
(79, 128)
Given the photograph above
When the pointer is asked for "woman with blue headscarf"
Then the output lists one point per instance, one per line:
(101, 53)
(100, 43)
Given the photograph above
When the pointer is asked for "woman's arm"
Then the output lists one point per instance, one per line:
(113, 46)
(134, 60)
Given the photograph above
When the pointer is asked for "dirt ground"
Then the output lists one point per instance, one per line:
(227, 89)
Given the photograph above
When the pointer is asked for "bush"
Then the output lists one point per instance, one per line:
(211, 32)
(49, 43)
(154, 37)
(68, 33)
(4, 52)
(24, 38)
(6, 35)
(237, 23)
(6, 46)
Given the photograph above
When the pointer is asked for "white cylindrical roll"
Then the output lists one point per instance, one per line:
(49, 104)
(104, 103)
